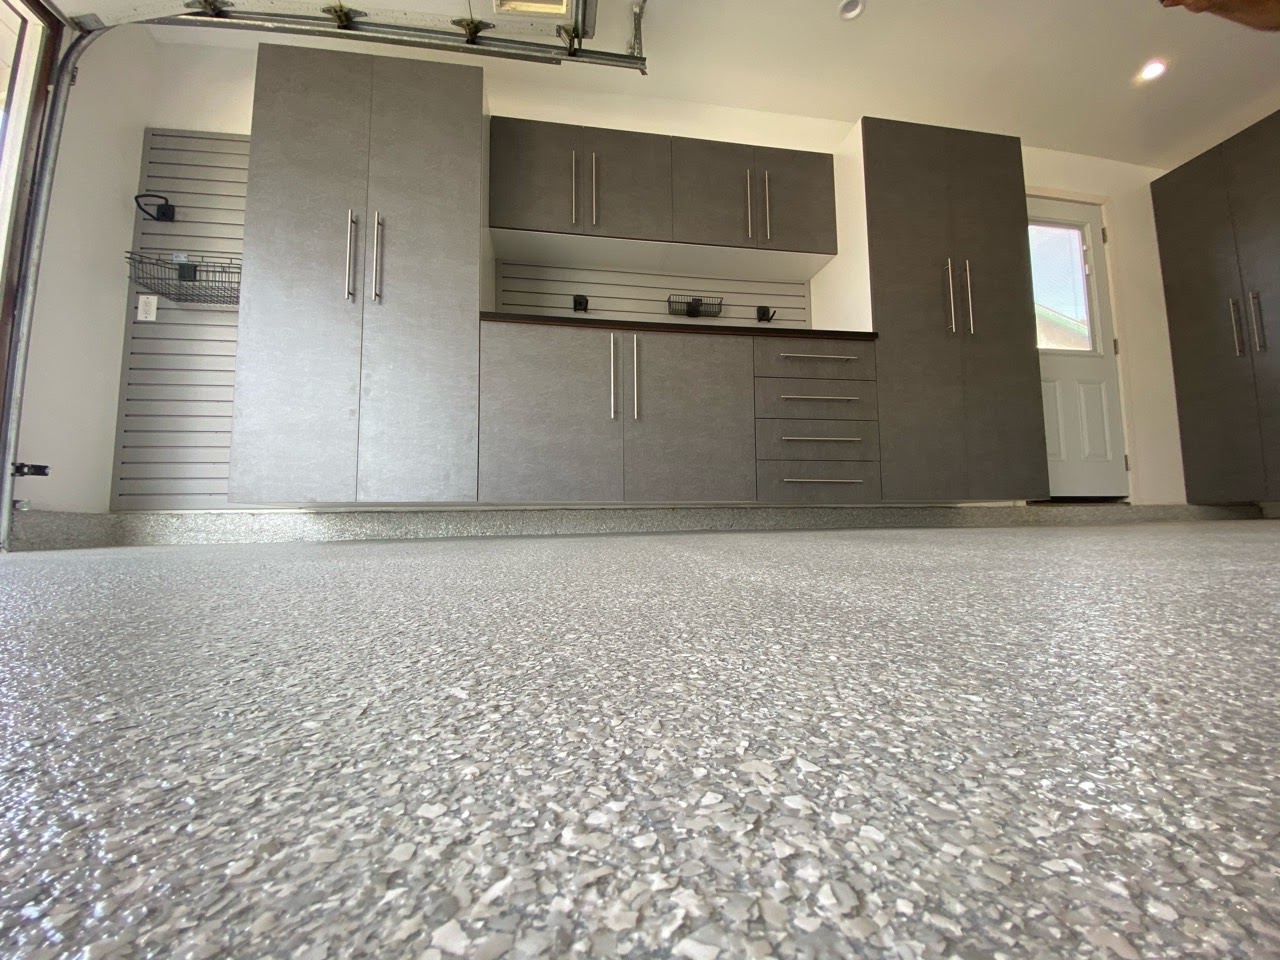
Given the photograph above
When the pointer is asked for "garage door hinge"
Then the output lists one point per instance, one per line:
(30, 470)
(1115, 346)
(1126, 463)
(1104, 235)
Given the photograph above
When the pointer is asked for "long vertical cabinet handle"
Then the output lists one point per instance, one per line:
(375, 291)
(347, 292)
(1235, 326)
(1255, 314)
(594, 221)
(968, 280)
(768, 212)
(613, 385)
(951, 293)
(750, 234)
(635, 376)
(573, 187)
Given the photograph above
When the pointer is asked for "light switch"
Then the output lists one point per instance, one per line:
(147, 305)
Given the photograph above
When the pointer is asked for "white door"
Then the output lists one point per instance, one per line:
(1084, 428)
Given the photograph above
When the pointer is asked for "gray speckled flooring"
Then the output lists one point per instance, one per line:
(924, 743)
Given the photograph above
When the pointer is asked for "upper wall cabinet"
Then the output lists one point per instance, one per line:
(733, 195)
(554, 178)
(557, 178)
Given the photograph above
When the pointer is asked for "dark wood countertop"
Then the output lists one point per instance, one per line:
(759, 330)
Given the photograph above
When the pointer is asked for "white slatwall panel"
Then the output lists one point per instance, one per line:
(620, 295)
(173, 434)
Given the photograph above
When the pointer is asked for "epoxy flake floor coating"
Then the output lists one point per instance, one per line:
(969, 743)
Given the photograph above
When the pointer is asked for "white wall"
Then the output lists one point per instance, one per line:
(211, 88)
(73, 377)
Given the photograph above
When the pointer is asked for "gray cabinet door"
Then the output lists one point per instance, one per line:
(420, 369)
(690, 425)
(537, 173)
(1213, 372)
(918, 355)
(297, 385)
(1005, 453)
(796, 195)
(1253, 159)
(714, 193)
(626, 184)
(550, 414)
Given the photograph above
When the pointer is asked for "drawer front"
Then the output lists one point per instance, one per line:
(810, 481)
(816, 359)
(779, 398)
(817, 440)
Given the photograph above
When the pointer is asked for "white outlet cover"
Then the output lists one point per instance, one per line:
(148, 303)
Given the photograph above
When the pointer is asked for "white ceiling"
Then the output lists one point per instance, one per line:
(1058, 73)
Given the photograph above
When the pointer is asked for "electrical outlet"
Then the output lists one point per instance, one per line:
(148, 303)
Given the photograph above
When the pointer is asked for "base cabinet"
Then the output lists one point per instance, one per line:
(579, 415)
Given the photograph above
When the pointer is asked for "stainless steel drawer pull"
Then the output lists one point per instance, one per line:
(1235, 326)
(968, 280)
(951, 293)
(1255, 312)
(790, 480)
(573, 187)
(347, 292)
(749, 235)
(814, 356)
(594, 221)
(635, 376)
(841, 399)
(375, 293)
(768, 213)
(826, 439)
(613, 386)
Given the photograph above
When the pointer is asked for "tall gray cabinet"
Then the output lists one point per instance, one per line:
(1218, 222)
(357, 363)
(961, 416)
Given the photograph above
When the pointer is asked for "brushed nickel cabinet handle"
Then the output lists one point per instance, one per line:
(573, 187)
(375, 293)
(814, 356)
(827, 439)
(750, 235)
(951, 293)
(1235, 326)
(790, 480)
(968, 281)
(1255, 313)
(347, 292)
(594, 222)
(768, 213)
(842, 399)
(635, 376)
(613, 386)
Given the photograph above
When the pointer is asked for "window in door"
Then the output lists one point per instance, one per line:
(1059, 278)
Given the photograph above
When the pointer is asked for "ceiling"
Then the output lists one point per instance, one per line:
(1058, 73)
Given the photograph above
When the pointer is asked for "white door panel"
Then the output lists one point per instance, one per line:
(1084, 428)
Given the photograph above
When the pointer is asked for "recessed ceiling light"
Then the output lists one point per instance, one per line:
(848, 9)
(1154, 70)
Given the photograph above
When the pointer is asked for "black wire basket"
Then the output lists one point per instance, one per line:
(187, 278)
(681, 306)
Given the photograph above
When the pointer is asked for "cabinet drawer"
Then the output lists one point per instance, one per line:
(810, 481)
(779, 398)
(816, 359)
(817, 440)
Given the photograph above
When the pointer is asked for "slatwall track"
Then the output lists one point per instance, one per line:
(620, 295)
(173, 435)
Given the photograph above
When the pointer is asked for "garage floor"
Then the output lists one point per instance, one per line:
(909, 743)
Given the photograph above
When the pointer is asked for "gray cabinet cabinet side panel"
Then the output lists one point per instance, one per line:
(534, 181)
(694, 437)
(1004, 414)
(296, 413)
(626, 184)
(420, 368)
(797, 200)
(1253, 159)
(710, 193)
(918, 358)
(546, 430)
(1213, 375)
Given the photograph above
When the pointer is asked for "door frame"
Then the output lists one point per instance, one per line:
(1101, 293)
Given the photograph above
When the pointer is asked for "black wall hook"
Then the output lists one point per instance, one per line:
(165, 212)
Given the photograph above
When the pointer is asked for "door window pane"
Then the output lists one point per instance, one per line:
(1062, 295)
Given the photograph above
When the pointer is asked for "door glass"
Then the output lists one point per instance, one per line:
(1062, 295)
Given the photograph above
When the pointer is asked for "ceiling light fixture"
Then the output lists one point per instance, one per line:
(1154, 70)
(851, 9)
